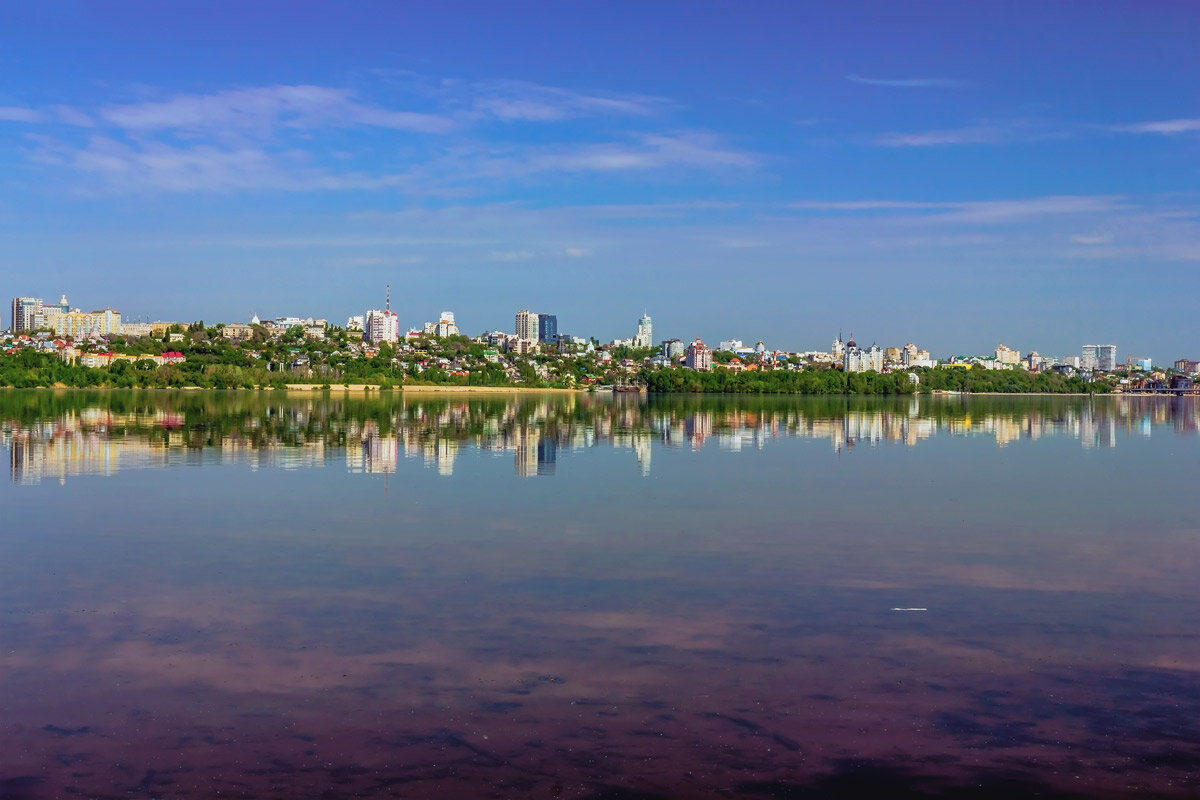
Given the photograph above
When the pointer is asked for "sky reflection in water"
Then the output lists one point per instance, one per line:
(364, 596)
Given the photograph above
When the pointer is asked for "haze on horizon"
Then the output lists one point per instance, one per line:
(956, 175)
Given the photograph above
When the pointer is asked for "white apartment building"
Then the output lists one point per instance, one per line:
(856, 359)
(527, 325)
(645, 332)
(381, 326)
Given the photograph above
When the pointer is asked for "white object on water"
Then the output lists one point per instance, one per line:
(910, 609)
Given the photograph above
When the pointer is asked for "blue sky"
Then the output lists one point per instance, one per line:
(952, 174)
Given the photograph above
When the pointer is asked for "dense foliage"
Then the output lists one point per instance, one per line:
(214, 363)
(808, 381)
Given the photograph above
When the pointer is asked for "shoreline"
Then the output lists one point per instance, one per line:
(487, 389)
(368, 388)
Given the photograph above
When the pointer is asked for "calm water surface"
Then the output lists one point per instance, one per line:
(261, 595)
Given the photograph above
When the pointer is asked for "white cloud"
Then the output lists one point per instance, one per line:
(577, 252)
(987, 132)
(73, 116)
(648, 152)
(979, 211)
(530, 102)
(1092, 240)
(909, 83)
(511, 255)
(1168, 127)
(121, 167)
(18, 114)
(262, 110)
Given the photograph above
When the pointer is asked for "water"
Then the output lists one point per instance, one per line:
(268, 595)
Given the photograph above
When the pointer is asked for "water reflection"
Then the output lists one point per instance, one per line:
(725, 629)
(60, 435)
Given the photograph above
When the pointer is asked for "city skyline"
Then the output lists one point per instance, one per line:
(955, 176)
(380, 325)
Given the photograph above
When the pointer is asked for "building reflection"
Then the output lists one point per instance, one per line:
(373, 437)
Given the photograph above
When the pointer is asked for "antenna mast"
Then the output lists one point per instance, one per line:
(388, 306)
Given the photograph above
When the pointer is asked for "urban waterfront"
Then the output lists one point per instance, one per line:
(271, 594)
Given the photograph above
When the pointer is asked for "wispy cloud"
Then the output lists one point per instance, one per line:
(1167, 127)
(116, 166)
(267, 138)
(976, 134)
(511, 255)
(1003, 132)
(979, 211)
(693, 149)
(262, 110)
(18, 114)
(73, 116)
(1105, 238)
(909, 83)
(530, 102)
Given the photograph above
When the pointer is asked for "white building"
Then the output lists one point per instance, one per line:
(381, 326)
(527, 325)
(446, 325)
(1099, 356)
(645, 332)
(839, 349)
(856, 359)
(730, 345)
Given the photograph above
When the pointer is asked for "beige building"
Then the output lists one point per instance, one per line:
(78, 325)
(135, 328)
(159, 329)
(1006, 355)
(527, 325)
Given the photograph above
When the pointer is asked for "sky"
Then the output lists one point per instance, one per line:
(952, 174)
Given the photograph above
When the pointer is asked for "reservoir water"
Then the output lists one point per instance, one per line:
(261, 594)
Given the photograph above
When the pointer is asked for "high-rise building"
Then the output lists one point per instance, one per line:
(698, 357)
(1099, 356)
(547, 328)
(26, 313)
(51, 314)
(645, 332)
(1107, 356)
(78, 325)
(382, 326)
(856, 359)
(446, 325)
(527, 325)
(1006, 355)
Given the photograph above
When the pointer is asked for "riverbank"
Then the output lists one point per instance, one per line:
(486, 389)
(367, 388)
